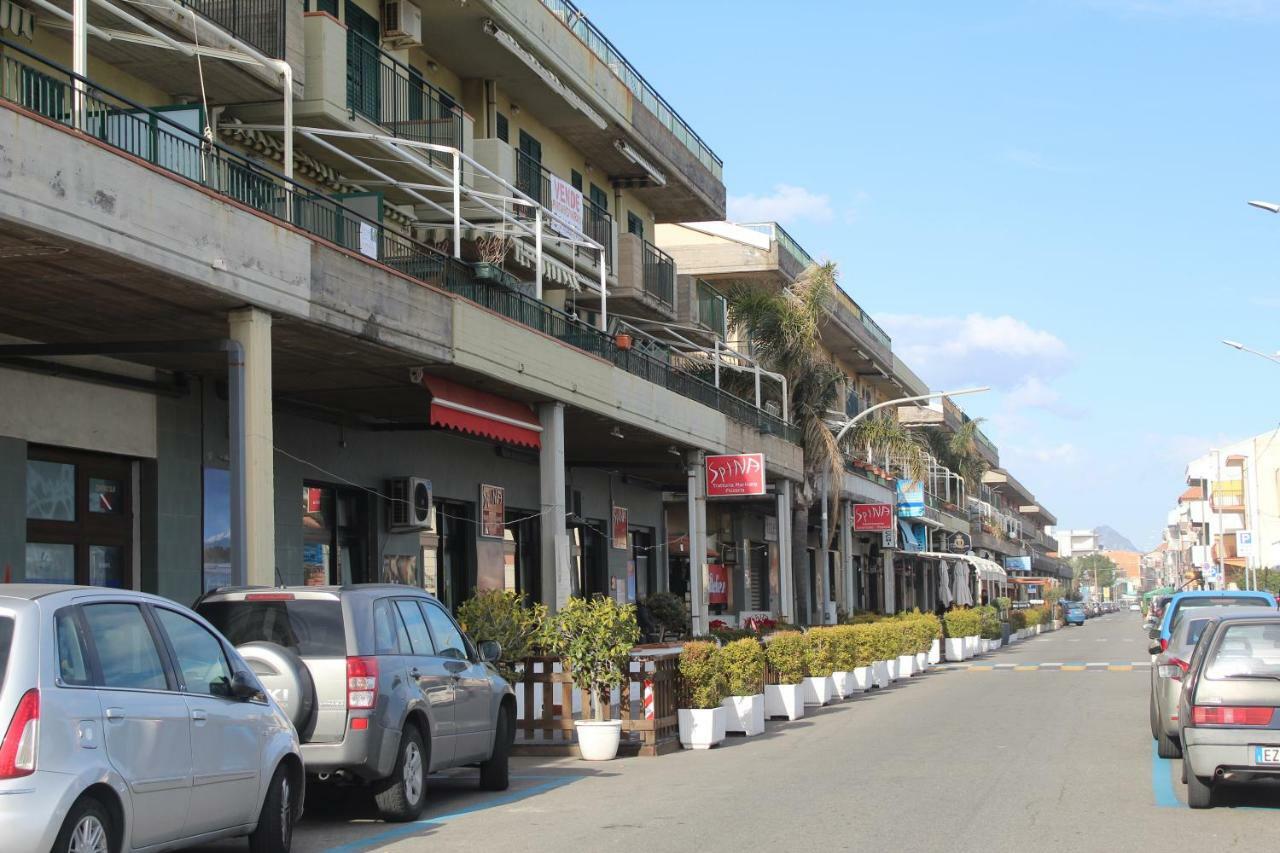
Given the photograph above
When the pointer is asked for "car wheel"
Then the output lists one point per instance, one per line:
(1199, 792)
(274, 832)
(1154, 716)
(401, 796)
(87, 829)
(1184, 771)
(494, 774)
(1167, 747)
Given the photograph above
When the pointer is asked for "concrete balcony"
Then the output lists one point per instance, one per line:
(950, 417)
(646, 281)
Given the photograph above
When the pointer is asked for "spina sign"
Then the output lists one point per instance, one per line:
(735, 474)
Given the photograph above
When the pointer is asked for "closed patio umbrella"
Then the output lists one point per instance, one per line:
(944, 583)
(963, 597)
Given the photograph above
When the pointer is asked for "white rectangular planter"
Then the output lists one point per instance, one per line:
(818, 690)
(922, 661)
(971, 646)
(844, 685)
(891, 667)
(906, 665)
(784, 701)
(935, 652)
(955, 648)
(996, 644)
(862, 678)
(880, 673)
(701, 728)
(744, 714)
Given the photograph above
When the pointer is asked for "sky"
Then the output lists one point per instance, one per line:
(1047, 197)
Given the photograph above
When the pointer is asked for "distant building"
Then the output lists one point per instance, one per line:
(1076, 543)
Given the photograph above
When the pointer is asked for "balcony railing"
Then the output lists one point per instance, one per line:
(47, 89)
(260, 23)
(577, 22)
(534, 180)
(786, 243)
(390, 93)
(659, 274)
(711, 309)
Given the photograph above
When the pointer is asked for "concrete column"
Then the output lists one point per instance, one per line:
(890, 602)
(556, 581)
(846, 557)
(697, 501)
(251, 328)
(786, 584)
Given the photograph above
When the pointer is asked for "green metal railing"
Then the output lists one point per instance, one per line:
(659, 273)
(534, 180)
(48, 89)
(711, 309)
(576, 21)
(257, 22)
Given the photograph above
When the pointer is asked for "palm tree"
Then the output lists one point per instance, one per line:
(885, 438)
(959, 452)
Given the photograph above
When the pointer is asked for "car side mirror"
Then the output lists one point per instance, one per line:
(1153, 632)
(490, 651)
(244, 686)
(1154, 649)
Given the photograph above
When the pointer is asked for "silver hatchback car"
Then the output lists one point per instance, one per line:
(129, 724)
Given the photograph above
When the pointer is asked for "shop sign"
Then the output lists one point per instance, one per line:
(910, 499)
(735, 474)
(770, 529)
(889, 538)
(620, 528)
(872, 517)
(1244, 543)
(1018, 564)
(958, 543)
(566, 207)
(493, 511)
(717, 584)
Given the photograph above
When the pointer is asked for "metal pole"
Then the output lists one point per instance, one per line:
(537, 252)
(822, 585)
(604, 294)
(79, 57)
(757, 384)
(1222, 535)
(697, 547)
(457, 206)
(717, 361)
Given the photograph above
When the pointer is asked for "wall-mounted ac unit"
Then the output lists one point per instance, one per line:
(409, 504)
(401, 23)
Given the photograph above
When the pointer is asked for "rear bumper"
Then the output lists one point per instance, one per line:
(369, 753)
(33, 808)
(1229, 750)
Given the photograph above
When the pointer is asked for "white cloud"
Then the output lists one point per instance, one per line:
(1062, 454)
(1001, 351)
(1034, 393)
(1234, 9)
(786, 204)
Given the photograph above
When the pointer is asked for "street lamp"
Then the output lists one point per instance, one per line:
(1243, 348)
(1268, 206)
(849, 424)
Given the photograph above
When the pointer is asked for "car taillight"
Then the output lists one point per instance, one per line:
(1164, 644)
(362, 682)
(1228, 715)
(270, 596)
(18, 749)
(1175, 669)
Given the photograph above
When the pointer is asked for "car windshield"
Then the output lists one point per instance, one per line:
(1246, 651)
(6, 640)
(310, 628)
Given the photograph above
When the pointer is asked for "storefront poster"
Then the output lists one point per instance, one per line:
(735, 474)
(1018, 564)
(717, 584)
(770, 529)
(493, 511)
(400, 568)
(872, 517)
(216, 553)
(631, 580)
(910, 499)
(620, 527)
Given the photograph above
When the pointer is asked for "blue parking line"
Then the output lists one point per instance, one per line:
(407, 829)
(1162, 782)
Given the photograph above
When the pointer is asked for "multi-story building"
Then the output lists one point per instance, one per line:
(1076, 543)
(317, 293)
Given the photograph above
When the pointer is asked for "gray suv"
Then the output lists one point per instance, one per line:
(380, 682)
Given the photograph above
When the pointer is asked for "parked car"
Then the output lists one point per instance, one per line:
(381, 683)
(1206, 598)
(131, 724)
(1133, 605)
(1074, 614)
(1227, 718)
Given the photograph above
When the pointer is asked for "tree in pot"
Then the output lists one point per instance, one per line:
(594, 638)
(668, 612)
(820, 663)
(786, 653)
(508, 619)
(701, 716)
(744, 667)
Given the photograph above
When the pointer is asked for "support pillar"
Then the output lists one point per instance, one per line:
(557, 585)
(786, 583)
(697, 502)
(890, 599)
(254, 511)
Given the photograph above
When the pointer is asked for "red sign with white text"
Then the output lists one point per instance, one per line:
(717, 584)
(873, 516)
(735, 474)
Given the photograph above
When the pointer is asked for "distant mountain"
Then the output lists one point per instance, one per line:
(1110, 539)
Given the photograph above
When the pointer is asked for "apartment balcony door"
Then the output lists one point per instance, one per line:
(364, 63)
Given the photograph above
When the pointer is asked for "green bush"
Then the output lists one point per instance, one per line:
(744, 664)
(729, 635)
(862, 642)
(1017, 619)
(787, 652)
(594, 637)
(961, 622)
(862, 617)
(820, 652)
(702, 678)
(988, 622)
(506, 618)
(668, 610)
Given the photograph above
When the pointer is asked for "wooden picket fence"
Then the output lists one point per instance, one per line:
(547, 705)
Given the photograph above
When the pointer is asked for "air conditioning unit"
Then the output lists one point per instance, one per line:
(410, 504)
(401, 23)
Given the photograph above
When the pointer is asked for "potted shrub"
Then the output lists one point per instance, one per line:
(744, 664)
(668, 613)
(820, 661)
(594, 639)
(989, 627)
(860, 642)
(785, 653)
(622, 340)
(506, 618)
(884, 660)
(845, 661)
(954, 624)
(701, 716)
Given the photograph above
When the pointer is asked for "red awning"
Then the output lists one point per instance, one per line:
(455, 406)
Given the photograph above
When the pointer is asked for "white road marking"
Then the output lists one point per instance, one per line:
(1098, 663)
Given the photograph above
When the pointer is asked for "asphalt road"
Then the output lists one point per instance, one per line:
(1004, 755)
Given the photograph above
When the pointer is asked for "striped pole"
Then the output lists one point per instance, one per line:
(648, 698)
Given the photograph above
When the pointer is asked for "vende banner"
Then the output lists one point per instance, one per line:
(566, 207)
(717, 584)
(873, 516)
(735, 474)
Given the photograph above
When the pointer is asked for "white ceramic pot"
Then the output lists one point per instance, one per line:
(744, 714)
(818, 690)
(922, 661)
(784, 701)
(935, 651)
(880, 673)
(862, 678)
(598, 741)
(955, 648)
(985, 645)
(906, 665)
(996, 644)
(843, 682)
(1038, 627)
(891, 667)
(971, 645)
(701, 728)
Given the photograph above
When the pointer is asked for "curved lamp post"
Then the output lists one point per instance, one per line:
(849, 424)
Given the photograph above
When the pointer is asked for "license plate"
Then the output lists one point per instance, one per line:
(1266, 755)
